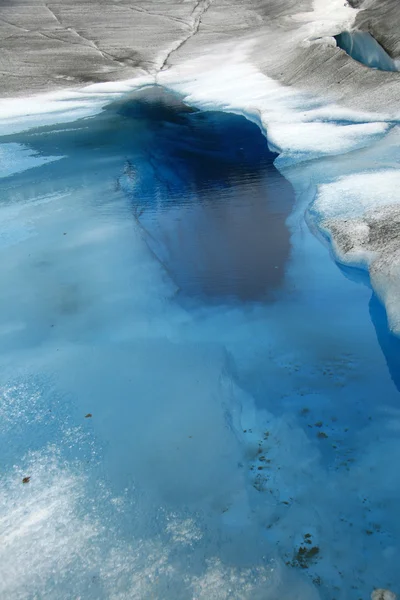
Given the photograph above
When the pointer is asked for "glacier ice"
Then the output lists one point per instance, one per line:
(360, 214)
(365, 49)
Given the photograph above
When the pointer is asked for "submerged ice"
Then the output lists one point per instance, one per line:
(195, 422)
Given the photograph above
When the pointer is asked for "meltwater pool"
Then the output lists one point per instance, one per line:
(197, 402)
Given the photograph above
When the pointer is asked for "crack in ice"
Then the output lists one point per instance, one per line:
(198, 13)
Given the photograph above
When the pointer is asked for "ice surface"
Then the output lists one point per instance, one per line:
(18, 114)
(322, 138)
(351, 196)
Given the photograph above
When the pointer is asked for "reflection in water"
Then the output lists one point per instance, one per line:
(202, 185)
(219, 222)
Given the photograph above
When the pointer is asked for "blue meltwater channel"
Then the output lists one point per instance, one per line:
(196, 401)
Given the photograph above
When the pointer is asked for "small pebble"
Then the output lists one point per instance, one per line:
(382, 594)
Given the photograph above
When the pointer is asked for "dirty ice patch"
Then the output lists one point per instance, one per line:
(360, 215)
(347, 201)
(16, 158)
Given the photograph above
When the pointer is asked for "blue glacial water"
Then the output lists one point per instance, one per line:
(206, 405)
(363, 47)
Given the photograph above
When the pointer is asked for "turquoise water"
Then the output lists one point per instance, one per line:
(206, 405)
(361, 46)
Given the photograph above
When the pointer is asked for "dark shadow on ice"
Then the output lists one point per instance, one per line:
(365, 49)
(390, 344)
(202, 184)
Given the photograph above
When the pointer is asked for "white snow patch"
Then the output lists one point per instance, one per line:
(351, 196)
(328, 18)
(19, 114)
(322, 138)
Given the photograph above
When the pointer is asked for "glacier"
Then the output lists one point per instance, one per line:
(180, 439)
